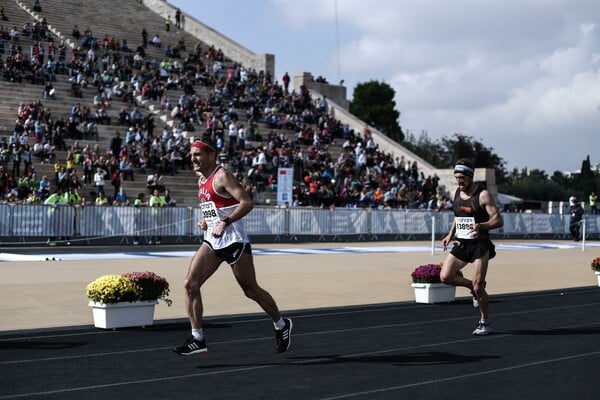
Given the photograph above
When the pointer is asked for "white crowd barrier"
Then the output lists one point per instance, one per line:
(30, 221)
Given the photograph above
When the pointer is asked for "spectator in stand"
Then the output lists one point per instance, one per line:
(378, 197)
(63, 179)
(176, 159)
(286, 81)
(115, 144)
(144, 38)
(74, 181)
(48, 90)
(88, 170)
(100, 199)
(73, 198)
(101, 117)
(116, 180)
(27, 153)
(442, 203)
(366, 196)
(44, 187)
(156, 42)
(99, 177)
(156, 201)
(126, 168)
(32, 198)
(313, 191)
(178, 18)
(17, 157)
(25, 185)
(143, 161)
(155, 182)
(70, 161)
(171, 202)
(57, 168)
(121, 198)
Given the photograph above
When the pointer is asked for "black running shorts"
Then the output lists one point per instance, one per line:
(470, 250)
(232, 253)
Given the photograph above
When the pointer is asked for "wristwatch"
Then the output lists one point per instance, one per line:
(227, 220)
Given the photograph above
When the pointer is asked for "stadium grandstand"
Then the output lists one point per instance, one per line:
(75, 76)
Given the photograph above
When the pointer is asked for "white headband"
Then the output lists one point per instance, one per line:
(463, 169)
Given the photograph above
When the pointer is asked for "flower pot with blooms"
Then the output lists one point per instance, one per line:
(595, 265)
(428, 286)
(153, 287)
(119, 301)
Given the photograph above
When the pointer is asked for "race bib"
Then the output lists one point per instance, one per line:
(463, 227)
(210, 214)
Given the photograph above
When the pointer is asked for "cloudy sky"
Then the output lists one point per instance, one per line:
(521, 76)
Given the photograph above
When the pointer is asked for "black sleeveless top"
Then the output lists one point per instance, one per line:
(471, 208)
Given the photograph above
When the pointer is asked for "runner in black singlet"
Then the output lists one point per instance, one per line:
(475, 214)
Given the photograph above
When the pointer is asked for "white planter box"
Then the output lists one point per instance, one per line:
(121, 315)
(598, 276)
(430, 293)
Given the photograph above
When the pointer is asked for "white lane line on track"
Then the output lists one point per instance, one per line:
(264, 252)
(464, 376)
(316, 360)
(327, 332)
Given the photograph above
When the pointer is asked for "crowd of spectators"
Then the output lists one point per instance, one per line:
(35, 62)
(259, 125)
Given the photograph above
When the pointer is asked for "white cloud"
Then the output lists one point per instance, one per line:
(518, 100)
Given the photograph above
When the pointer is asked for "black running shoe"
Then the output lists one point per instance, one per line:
(283, 336)
(191, 346)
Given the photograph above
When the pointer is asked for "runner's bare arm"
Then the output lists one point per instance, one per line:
(495, 221)
(446, 240)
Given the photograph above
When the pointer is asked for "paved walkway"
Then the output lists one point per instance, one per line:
(43, 294)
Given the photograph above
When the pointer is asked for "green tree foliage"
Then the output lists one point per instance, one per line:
(586, 182)
(535, 185)
(373, 102)
(443, 154)
(586, 170)
(427, 149)
(462, 146)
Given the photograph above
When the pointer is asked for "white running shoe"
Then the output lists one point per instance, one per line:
(483, 328)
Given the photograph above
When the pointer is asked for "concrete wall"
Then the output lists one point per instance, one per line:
(487, 175)
(337, 93)
(232, 50)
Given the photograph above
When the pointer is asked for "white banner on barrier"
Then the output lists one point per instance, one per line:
(285, 185)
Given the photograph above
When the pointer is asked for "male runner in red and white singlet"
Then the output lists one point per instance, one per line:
(224, 203)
